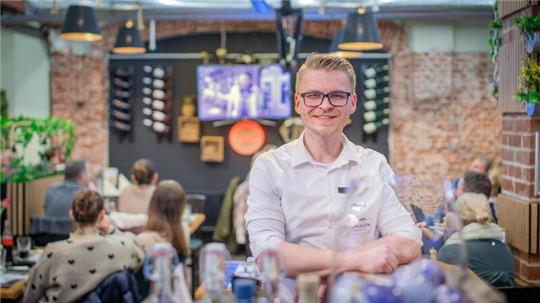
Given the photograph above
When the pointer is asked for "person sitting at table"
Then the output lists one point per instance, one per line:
(69, 269)
(136, 197)
(487, 255)
(165, 218)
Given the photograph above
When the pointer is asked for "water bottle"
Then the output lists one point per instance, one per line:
(161, 289)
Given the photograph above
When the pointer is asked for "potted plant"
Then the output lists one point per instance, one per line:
(529, 84)
(529, 27)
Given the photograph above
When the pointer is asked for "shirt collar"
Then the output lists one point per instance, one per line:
(301, 155)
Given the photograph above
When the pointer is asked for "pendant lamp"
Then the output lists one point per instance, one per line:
(361, 33)
(335, 51)
(129, 40)
(80, 24)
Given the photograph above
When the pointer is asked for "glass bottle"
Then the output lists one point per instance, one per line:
(7, 242)
(270, 270)
(212, 270)
(161, 289)
(308, 288)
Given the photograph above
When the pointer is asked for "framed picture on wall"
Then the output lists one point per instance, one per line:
(212, 149)
(189, 129)
(537, 165)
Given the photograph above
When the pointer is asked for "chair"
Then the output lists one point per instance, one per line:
(46, 230)
(197, 202)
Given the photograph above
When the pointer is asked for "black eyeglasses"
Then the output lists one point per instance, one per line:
(315, 99)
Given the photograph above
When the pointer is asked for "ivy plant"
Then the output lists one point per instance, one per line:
(527, 25)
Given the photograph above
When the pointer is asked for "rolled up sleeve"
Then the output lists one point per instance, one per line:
(265, 221)
(393, 218)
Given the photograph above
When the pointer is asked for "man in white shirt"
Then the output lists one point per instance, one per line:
(298, 193)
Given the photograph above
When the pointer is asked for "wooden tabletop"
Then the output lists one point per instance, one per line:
(14, 291)
(197, 222)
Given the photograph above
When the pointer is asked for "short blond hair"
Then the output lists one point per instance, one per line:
(473, 208)
(326, 62)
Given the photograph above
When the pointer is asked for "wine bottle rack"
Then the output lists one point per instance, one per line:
(121, 94)
(375, 88)
(157, 99)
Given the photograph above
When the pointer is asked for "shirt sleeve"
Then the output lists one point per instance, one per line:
(393, 218)
(265, 220)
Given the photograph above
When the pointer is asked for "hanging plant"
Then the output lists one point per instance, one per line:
(528, 28)
(494, 43)
(529, 83)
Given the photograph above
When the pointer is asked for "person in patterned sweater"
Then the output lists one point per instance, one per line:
(69, 269)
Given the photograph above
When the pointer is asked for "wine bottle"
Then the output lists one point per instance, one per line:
(7, 242)
(308, 288)
(121, 104)
(147, 111)
(122, 93)
(373, 104)
(158, 83)
(373, 82)
(158, 94)
(371, 94)
(121, 115)
(375, 115)
(158, 72)
(121, 126)
(158, 105)
(161, 128)
(147, 122)
(121, 83)
(147, 80)
(160, 116)
(371, 72)
(121, 72)
(147, 69)
(147, 91)
(147, 100)
(372, 127)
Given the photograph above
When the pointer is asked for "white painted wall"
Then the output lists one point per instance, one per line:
(458, 36)
(25, 75)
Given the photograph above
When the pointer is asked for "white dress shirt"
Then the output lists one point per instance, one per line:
(294, 199)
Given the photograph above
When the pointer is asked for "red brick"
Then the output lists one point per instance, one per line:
(517, 265)
(535, 124)
(508, 155)
(522, 189)
(527, 174)
(528, 141)
(523, 125)
(507, 184)
(533, 259)
(525, 157)
(515, 140)
(507, 123)
(514, 171)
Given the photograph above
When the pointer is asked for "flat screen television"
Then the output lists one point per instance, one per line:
(231, 92)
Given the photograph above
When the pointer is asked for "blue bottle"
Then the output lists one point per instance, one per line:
(244, 290)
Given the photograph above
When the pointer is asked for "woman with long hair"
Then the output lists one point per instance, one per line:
(69, 269)
(165, 218)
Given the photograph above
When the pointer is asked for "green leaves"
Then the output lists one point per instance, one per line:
(527, 25)
(21, 130)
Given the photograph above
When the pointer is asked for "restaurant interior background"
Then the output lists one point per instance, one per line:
(442, 110)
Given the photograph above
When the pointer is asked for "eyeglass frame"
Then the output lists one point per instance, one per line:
(327, 96)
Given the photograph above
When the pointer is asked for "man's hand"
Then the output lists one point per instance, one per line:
(379, 259)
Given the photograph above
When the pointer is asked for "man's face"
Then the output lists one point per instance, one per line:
(84, 178)
(324, 120)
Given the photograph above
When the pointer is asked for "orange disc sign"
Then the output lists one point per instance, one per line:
(246, 137)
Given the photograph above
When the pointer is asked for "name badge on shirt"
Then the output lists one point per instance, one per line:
(342, 190)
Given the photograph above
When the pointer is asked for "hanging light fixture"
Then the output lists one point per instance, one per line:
(335, 51)
(80, 24)
(129, 40)
(361, 33)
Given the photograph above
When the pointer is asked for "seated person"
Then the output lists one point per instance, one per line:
(480, 165)
(165, 218)
(69, 269)
(478, 183)
(487, 255)
(136, 197)
(59, 197)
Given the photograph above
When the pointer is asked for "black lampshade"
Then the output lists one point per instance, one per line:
(361, 33)
(129, 40)
(80, 24)
(334, 50)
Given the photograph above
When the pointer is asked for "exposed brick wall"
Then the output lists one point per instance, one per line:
(455, 117)
(79, 92)
(518, 156)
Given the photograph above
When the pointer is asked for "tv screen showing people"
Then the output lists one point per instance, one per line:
(243, 91)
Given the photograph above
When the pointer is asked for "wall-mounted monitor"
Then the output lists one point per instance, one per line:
(231, 92)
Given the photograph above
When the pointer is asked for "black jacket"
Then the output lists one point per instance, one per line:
(120, 287)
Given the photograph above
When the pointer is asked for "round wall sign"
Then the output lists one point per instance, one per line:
(246, 137)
